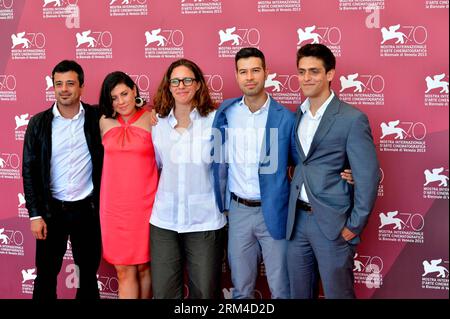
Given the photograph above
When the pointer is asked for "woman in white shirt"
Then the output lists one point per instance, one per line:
(187, 228)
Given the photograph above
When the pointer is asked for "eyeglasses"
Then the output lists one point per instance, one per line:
(186, 82)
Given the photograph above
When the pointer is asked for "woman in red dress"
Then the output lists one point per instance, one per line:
(129, 183)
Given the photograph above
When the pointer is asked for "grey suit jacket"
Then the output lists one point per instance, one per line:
(343, 139)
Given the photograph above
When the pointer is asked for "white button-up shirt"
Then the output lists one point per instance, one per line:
(71, 165)
(307, 129)
(245, 135)
(185, 200)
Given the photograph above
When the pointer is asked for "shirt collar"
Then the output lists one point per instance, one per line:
(57, 114)
(306, 106)
(194, 115)
(264, 108)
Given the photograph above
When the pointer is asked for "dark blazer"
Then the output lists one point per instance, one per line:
(343, 139)
(37, 150)
(273, 174)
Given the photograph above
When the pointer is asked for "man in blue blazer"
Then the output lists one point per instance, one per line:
(251, 154)
(326, 214)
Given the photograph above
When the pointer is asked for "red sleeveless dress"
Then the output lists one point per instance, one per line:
(127, 193)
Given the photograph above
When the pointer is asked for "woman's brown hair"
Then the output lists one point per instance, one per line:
(164, 101)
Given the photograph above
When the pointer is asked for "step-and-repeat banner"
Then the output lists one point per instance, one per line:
(393, 63)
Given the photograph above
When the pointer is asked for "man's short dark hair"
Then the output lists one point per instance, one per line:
(250, 52)
(320, 52)
(67, 66)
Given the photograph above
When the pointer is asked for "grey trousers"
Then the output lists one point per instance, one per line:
(249, 242)
(308, 250)
(200, 252)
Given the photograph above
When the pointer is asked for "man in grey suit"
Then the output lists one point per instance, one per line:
(326, 214)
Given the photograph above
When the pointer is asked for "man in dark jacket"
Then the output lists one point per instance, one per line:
(62, 162)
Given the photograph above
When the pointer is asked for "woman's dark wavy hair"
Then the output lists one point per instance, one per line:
(109, 83)
(164, 101)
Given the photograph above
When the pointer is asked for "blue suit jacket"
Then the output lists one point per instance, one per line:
(278, 153)
(342, 139)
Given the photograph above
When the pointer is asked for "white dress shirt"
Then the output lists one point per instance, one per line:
(185, 200)
(307, 129)
(70, 165)
(245, 135)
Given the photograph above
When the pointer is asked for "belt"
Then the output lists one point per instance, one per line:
(303, 206)
(246, 202)
(74, 204)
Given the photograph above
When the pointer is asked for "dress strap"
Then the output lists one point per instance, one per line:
(133, 119)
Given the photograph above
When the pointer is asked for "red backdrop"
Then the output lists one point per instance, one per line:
(392, 63)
